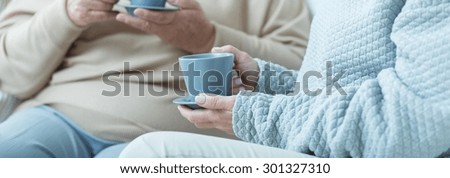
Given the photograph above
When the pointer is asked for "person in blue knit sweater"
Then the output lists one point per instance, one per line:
(375, 83)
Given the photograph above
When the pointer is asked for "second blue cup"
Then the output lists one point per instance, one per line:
(208, 73)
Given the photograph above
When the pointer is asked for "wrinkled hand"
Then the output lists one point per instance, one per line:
(87, 12)
(246, 68)
(217, 113)
(188, 29)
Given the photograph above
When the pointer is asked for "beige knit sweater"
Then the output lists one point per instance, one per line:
(46, 59)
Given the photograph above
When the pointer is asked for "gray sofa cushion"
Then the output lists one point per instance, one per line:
(3, 4)
(8, 104)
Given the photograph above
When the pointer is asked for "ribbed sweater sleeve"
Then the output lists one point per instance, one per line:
(7, 105)
(34, 38)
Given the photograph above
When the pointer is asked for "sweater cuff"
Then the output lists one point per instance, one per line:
(275, 79)
(247, 107)
(263, 80)
(59, 26)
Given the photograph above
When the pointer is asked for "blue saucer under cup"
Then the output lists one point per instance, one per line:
(154, 3)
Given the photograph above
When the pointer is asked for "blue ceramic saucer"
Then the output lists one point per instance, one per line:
(188, 101)
(130, 8)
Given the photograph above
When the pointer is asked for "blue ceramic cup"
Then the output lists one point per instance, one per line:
(149, 3)
(208, 73)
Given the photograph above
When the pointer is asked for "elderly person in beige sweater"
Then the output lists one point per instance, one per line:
(56, 54)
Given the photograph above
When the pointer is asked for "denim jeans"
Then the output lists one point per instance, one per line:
(43, 132)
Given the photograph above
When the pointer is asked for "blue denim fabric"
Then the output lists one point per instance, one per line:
(43, 132)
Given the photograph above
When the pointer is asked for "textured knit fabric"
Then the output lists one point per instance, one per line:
(396, 59)
(46, 59)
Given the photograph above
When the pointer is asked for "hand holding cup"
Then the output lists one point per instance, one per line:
(188, 28)
(246, 69)
(217, 107)
(87, 12)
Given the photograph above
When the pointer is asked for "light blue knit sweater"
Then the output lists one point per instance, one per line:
(396, 58)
